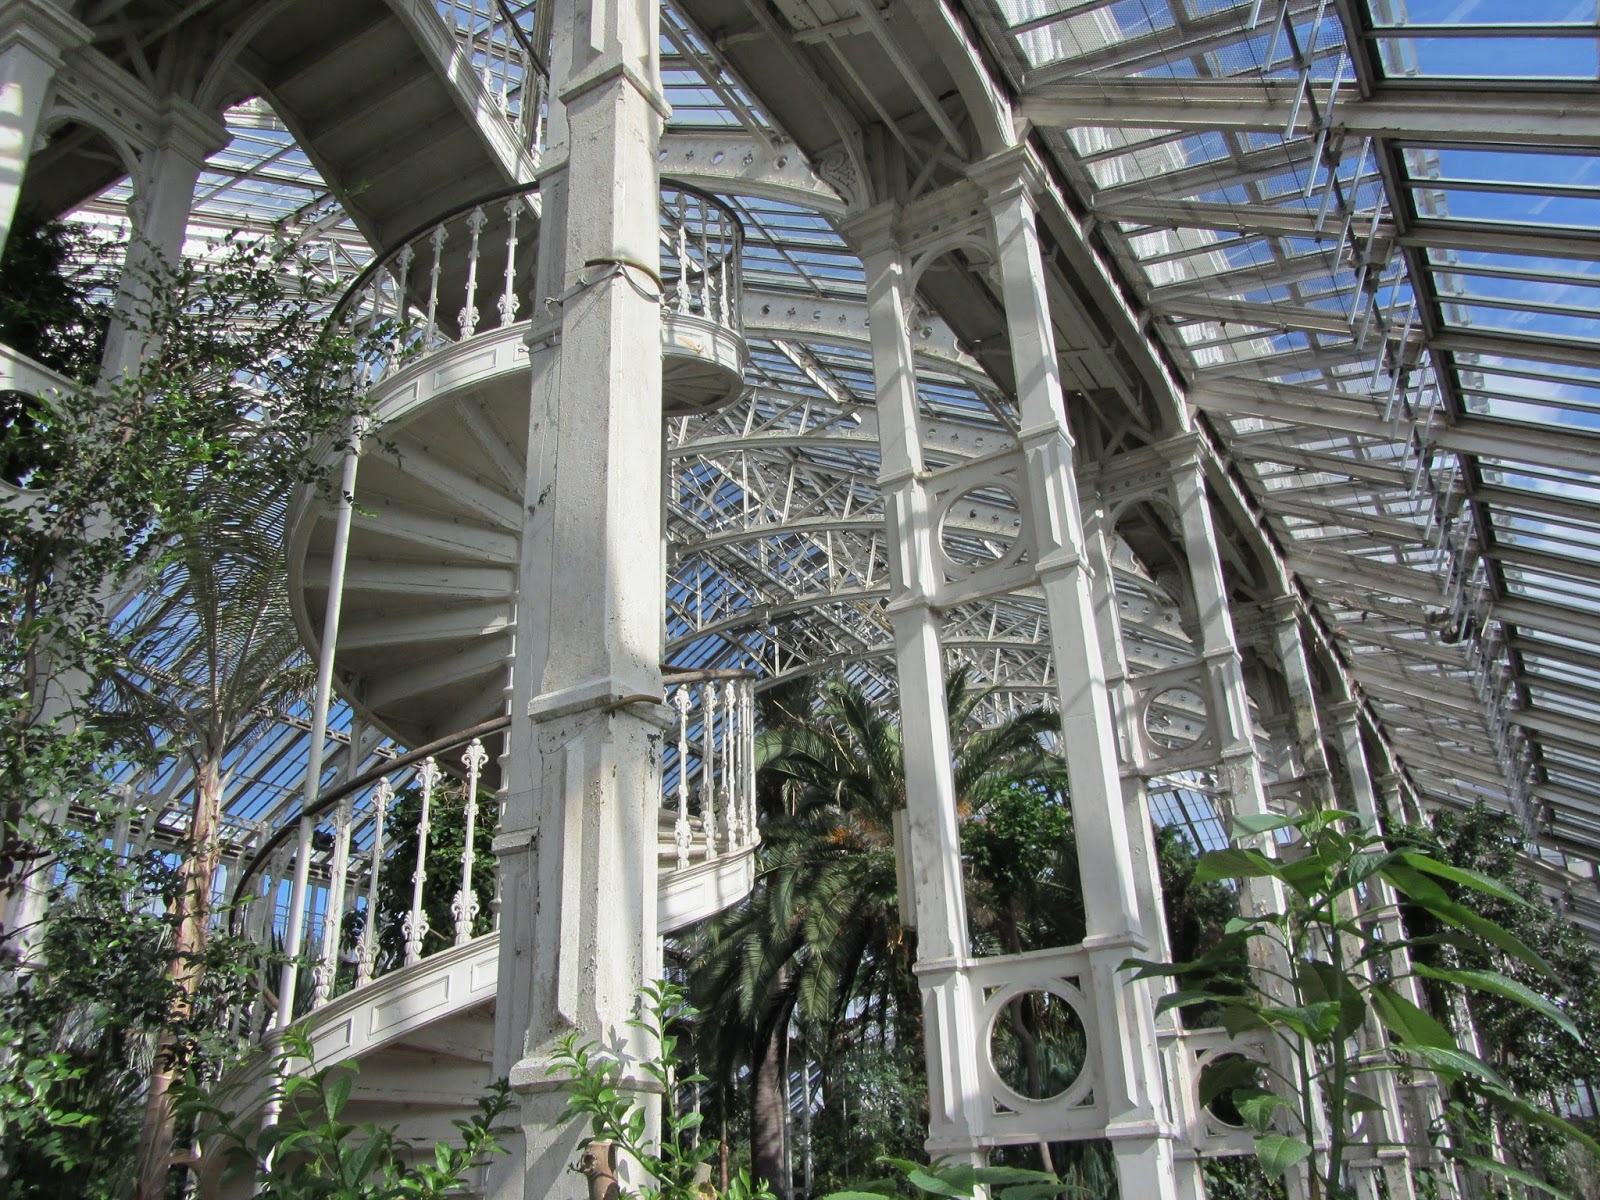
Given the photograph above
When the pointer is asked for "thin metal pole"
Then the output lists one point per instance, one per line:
(319, 728)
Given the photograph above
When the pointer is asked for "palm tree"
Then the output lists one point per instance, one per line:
(821, 938)
(213, 655)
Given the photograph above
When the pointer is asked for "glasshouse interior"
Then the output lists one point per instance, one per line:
(1038, 561)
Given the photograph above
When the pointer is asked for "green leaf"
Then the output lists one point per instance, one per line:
(1490, 1167)
(1406, 1021)
(1183, 1000)
(1227, 1074)
(1259, 1106)
(1462, 875)
(1255, 824)
(1502, 985)
(1322, 981)
(1234, 863)
(1004, 1175)
(1433, 898)
(1453, 1062)
(336, 1096)
(1278, 1153)
(948, 1182)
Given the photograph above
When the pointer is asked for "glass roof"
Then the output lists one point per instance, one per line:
(1390, 331)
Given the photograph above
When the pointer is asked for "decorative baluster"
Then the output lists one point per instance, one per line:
(682, 835)
(430, 332)
(509, 302)
(367, 952)
(465, 906)
(469, 311)
(708, 765)
(323, 973)
(683, 262)
(415, 925)
(722, 291)
(732, 770)
(402, 278)
(707, 306)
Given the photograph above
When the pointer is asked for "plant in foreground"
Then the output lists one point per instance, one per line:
(1329, 975)
(961, 1181)
(311, 1153)
(676, 1167)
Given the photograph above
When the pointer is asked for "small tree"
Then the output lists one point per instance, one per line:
(1336, 975)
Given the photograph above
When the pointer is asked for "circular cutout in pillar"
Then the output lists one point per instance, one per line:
(1175, 719)
(1037, 1045)
(1230, 1074)
(980, 528)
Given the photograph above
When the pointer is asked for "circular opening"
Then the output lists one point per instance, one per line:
(1037, 1045)
(980, 527)
(1175, 718)
(1227, 1075)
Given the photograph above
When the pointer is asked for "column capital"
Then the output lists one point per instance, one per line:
(1280, 610)
(190, 130)
(874, 230)
(1014, 171)
(1345, 712)
(43, 27)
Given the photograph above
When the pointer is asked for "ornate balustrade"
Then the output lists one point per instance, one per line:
(472, 272)
(400, 865)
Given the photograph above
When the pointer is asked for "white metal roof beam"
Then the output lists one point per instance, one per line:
(1412, 113)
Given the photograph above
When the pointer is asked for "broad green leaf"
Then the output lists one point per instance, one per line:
(1226, 1074)
(1241, 1018)
(1037, 1191)
(1453, 1062)
(1462, 875)
(1183, 1000)
(1014, 1175)
(336, 1096)
(1259, 1106)
(1309, 876)
(1489, 1167)
(1407, 1022)
(1255, 824)
(1323, 981)
(1433, 898)
(1314, 1022)
(1502, 985)
(1360, 1102)
(1503, 1098)
(924, 1182)
(1234, 863)
(1278, 1153)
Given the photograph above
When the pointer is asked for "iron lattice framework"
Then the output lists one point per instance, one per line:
(1360, 238)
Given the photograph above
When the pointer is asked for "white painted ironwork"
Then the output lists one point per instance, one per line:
(708, 803)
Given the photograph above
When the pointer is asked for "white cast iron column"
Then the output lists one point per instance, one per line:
(1098, 541)
(578, 842)
(1130, 1083)
(34, 34)
(928, 838)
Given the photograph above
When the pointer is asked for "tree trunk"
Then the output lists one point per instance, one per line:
(768, 1095)
(184, 970)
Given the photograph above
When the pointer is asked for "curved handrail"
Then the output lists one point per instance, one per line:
(670, 677)
(383, 260)
(338, 792)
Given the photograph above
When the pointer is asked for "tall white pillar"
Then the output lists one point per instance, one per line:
(34, 34)
(1130, 1080)
(163, 193)
(928, 836)
(1098, 539)
(577, 845)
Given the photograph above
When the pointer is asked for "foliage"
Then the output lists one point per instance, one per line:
(54, 308)
(962, 1181)
(1531, 1052)
(310, 1152)
(1322, 974)
(596, 1079)
(79, 1025)
(876, 1108)
(243, 382)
